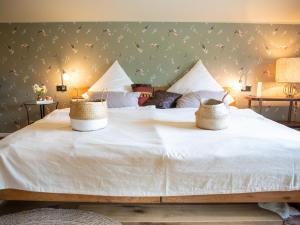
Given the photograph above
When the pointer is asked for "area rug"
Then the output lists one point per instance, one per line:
(48, 216)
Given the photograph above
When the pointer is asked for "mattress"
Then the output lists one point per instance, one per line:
(152, 152)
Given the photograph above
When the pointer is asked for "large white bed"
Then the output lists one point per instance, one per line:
(151, 152)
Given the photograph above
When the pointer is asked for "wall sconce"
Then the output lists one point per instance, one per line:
(64, 77)
(243, 85)
(239, 85)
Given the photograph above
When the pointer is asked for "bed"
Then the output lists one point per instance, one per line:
(148, 155)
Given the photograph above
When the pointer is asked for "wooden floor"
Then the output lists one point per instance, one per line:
(204, 214)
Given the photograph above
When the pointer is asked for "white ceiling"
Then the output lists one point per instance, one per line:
(243, 11)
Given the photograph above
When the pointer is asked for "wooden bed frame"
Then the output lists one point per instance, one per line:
(281, 196)
(278, 196)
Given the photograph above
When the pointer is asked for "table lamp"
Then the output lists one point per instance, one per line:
(288, 71)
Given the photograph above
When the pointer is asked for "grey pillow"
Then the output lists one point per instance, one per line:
(192, 99)
(116, 99)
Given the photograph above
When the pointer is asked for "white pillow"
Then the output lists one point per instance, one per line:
(197, 79)
(114, 79)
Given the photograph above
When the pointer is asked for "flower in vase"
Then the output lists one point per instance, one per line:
(39, 90)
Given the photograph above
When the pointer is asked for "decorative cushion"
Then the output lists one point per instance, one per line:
(48, 216)
(163, 99)
(116, 99)
(192, 100)
(114, 79)
(146, 91)
(197, 79)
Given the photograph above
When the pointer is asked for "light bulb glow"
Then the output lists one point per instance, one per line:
(66, 77)
(237, 86)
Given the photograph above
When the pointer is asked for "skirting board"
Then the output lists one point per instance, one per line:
(2, 135)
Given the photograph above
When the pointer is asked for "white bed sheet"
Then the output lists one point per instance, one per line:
(152, 152)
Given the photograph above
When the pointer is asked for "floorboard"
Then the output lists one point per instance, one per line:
(152, 214)
(212, 214)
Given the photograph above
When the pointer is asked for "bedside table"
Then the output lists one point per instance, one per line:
(293, 102)
(42, 108)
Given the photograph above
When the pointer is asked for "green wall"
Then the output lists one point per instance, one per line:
(156, 53)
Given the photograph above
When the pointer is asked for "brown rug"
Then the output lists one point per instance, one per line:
(47, 216)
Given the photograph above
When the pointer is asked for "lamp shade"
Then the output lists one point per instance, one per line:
(288, 70)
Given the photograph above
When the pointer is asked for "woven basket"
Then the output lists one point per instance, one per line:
(212, 115)
(88, 116)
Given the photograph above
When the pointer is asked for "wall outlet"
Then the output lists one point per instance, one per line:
(61, 88)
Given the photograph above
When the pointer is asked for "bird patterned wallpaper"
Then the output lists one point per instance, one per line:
(150, 52)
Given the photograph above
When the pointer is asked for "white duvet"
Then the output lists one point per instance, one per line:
(152, 152)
